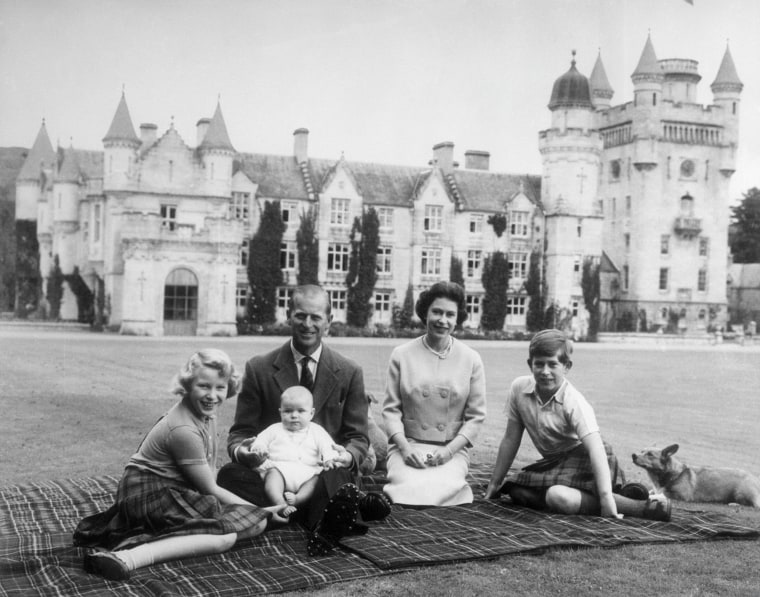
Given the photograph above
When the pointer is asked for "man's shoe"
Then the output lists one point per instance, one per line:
(340, 514)
(657, 510)
(374, 505)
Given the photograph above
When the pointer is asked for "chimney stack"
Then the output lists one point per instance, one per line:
(301, 145)
(148, 134)
(474, 159)
(443, 156)
(201, 128)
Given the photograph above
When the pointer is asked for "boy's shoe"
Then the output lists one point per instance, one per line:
(106, 564)
(657, 510)
(634, 491)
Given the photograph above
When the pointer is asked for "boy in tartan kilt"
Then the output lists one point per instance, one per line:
(578, 469)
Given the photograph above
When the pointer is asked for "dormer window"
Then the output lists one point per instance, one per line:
(433, 218)
(687, 205)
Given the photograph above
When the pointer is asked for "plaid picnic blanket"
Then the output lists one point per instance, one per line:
(37, 556)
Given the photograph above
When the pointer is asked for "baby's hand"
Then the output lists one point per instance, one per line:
(329, 464)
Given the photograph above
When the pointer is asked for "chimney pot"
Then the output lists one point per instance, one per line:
(301, 144)
(474, 159)
(443, 155)
(201, 128)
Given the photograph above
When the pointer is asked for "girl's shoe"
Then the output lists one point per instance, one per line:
(657, 510)
(106, 564)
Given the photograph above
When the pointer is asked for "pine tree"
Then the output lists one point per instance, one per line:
(264, 272)
(456, 273)
(28, 281)
(362, 268)
(745, 233)
(534, 318)
(495, 283)
(308, 248)
(403, 315)
(55, 289)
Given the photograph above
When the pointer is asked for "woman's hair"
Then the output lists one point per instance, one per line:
(213, 359)
(448, 290)
(548, 343)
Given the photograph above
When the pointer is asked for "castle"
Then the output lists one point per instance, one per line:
(158, 230)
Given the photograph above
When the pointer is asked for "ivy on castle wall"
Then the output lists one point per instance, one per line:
(534, 316)
(495, 283)
(55, 289)
(362, 268)
(591, 286)
(308, 248)
(498, 223)
(264, 273)
(403, 315)
(456, 274)
(7, 253)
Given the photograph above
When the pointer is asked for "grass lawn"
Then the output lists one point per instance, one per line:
(78, 404)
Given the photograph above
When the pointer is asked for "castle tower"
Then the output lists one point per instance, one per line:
(217, 154)
(601, 90)
(570, 154)
(120, 150)
(34, 174)
(727, 89)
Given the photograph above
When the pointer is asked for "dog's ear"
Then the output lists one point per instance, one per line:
(669, 451)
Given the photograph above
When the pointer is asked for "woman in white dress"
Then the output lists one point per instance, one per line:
(435, 404)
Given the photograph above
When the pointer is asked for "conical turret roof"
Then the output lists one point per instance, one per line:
(216, 136)
(648, 64)
(598, 81)
(122, 128)
(727, 75)
(42, 152)
(69, 168)
(571, 90)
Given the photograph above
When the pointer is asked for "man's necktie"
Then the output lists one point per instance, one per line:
(307, 379)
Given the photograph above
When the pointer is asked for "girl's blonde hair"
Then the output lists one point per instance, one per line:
(213, 359)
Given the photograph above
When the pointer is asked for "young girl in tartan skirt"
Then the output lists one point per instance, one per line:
(578, 469)
(168, 504)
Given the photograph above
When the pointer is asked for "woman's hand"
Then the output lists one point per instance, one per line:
(439, 456)
(414, 458)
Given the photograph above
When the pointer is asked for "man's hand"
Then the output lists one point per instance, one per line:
(249, 457)
(343, 459)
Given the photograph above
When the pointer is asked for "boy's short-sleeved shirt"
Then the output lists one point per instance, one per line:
(556, 426)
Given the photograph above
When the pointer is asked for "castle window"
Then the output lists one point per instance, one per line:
(687, 205)
(241, 296)
(664, 244)
(431, 262)
(702, 280)
(383, 302)
(283, 297)
(663, 282)
(654, 99)
(704, 246)
(472, 305)
(171, 170)
(385, 218)
(615, 169)
(289, 212)
(337, 257)
(337, 299)
(384, 260)
(96, 222)
(476, 223)
(516, 305)
(339, 212)
(474, 263)
(517, 265)
(628, 206)
(575, 304)
(733, 108)
(579, 228)
(626, 278)
(518, 223)
(627, 240)
(243, 254)
(433, 218)
(577, 269)
(288, 256)
(241, 206)
(169, 217)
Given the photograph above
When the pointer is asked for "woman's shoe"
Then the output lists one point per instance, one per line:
(106, 564)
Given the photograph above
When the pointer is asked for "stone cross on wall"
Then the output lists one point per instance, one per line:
(142, 279)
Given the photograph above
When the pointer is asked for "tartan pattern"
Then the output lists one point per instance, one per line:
(149, 507)
(37, 556)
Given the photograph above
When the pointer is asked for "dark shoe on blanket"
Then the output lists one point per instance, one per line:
(634, 491)
(106, 564)
(657, 509)
(374, 505)
(340, 513)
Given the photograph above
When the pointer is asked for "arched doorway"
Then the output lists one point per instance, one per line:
(181, 303)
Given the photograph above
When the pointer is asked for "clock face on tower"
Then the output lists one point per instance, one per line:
(687, 169)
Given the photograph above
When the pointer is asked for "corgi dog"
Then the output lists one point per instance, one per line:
(680, 481)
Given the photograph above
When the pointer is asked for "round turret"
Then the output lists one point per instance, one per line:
(571, 90)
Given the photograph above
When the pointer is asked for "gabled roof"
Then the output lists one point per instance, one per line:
(216, 136)
(42, 152)
(648, 64)
(727, 75)
(121, 126)
(491, 191)
(607, 265)
(278, 176)
(598, 81)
